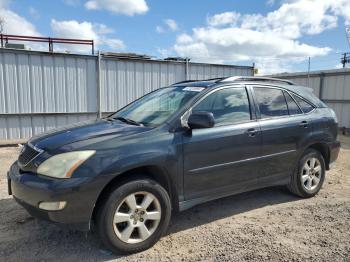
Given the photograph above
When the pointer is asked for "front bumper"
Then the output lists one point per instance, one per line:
(30, 189)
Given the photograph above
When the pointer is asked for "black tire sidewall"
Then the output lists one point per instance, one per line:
(308, 154)
(105, 218)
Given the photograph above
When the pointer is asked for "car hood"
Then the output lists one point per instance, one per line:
(82, 131)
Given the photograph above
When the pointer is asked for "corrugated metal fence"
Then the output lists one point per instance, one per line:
(332, 86)
(40, 91)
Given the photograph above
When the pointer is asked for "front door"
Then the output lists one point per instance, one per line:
(221, 159)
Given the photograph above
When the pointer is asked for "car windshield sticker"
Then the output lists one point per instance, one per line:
(193, 88)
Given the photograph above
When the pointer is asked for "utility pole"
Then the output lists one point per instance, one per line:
(345, 59)
(345, 56)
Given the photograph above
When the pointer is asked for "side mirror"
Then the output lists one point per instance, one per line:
(201, 120)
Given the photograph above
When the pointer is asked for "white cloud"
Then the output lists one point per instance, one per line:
(338, 66)
(223, 19)
(272, 40)
(341, 8)
(15, 24)
(239, 44)
(164, 53)
(115, 44)
(86, 30)
(171, 24)
(294, 19)
(184, 38)
(126, 7)
(72, 28)
(159, 29)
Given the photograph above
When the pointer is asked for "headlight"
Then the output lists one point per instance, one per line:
(63, 165)
(334, 115)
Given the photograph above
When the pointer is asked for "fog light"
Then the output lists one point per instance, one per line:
(52, 206)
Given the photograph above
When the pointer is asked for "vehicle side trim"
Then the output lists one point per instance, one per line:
(219, 166)
(229, 191)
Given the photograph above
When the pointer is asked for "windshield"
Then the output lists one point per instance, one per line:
(155, 108)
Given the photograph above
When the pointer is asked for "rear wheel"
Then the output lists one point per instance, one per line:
(308, 178)
(134, 216)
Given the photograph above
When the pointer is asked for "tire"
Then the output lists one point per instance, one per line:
(113, 232)
(300, 184)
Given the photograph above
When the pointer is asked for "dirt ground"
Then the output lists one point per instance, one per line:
(268, 224)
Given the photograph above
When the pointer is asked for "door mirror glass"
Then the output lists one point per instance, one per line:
(201, 120)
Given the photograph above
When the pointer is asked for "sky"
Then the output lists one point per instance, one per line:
(278, 36)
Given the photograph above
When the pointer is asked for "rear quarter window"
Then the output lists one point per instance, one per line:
(305, 106)
(293, 108)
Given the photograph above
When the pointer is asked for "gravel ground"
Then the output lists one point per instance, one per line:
(268, 224)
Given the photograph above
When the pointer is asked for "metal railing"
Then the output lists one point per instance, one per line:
(4, 38)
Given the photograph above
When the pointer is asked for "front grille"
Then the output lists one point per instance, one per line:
(28, 154)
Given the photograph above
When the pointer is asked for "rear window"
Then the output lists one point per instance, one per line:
(271, 102)
(305, 106)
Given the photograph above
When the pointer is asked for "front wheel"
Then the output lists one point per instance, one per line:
(308, 178)
(134, 217)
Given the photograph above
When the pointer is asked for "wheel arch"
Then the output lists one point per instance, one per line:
(155, 173)
(323, 148)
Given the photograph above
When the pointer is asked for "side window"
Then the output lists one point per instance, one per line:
(271, 102)
(293, 108)
(230, 105)
(305, 106)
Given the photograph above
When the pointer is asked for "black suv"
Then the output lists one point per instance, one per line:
(174, 148)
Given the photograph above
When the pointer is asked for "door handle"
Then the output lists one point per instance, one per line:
(304, 124)
(251, 132)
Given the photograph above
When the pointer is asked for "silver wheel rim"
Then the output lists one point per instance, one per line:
(137, 217)
(311, 173)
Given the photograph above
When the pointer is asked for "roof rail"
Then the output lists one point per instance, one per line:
(185, 81)
(255, 78)
(211, 79)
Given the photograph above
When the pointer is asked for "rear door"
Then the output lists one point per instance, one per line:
(284, 127)
(221, 159)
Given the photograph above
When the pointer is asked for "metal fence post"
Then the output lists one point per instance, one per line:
(187, 68)
(98, 80)
(320, 94)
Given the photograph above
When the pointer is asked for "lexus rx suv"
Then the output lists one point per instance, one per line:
(174, 148)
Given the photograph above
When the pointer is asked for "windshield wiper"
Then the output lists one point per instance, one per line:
(128, 121)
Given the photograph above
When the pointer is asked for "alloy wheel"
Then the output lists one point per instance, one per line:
(311, 173)
(137, 217)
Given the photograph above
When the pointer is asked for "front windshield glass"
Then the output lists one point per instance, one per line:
(156, 107)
